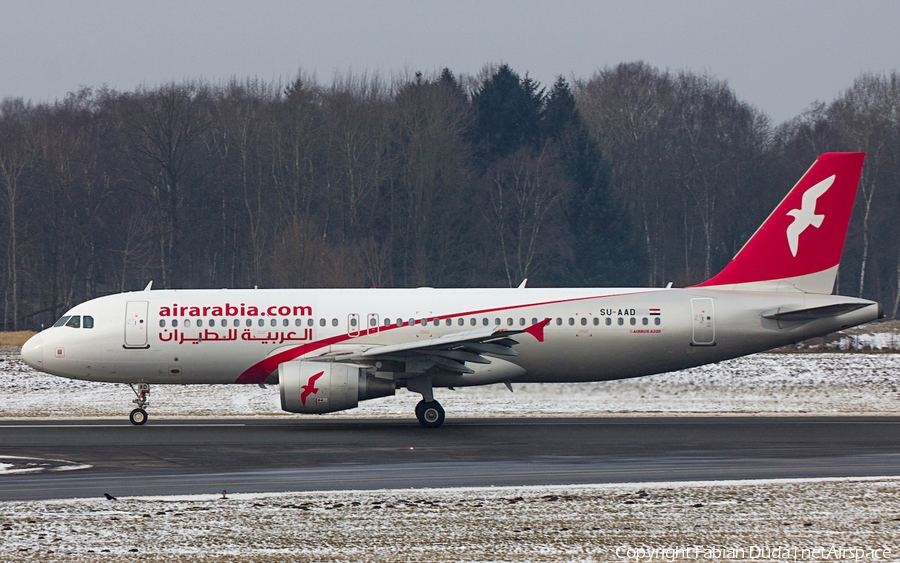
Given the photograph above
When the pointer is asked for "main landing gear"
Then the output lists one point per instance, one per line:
(139, 416)
(430, 413)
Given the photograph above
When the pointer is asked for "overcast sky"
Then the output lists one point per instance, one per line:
(778, 55)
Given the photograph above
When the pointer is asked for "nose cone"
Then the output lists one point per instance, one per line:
(33, 352)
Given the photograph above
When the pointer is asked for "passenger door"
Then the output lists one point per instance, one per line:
(136, 324)
(704, 322)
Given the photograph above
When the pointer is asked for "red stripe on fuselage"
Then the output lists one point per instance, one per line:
(260, 371)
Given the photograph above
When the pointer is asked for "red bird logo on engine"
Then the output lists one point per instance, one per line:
(310, 388)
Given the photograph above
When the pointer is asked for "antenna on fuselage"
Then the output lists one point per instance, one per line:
(522, 285)
(149, 286)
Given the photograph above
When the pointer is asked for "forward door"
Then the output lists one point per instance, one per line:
(136, 324)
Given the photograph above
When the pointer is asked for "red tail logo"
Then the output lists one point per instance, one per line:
(785, 250)
(309, 388)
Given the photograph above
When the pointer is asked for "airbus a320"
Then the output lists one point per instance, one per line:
(330, 349)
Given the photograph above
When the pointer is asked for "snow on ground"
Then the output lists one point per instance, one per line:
(880, 336)
(815, 520)
(779, 384)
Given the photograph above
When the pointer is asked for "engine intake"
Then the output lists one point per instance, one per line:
(320, 387)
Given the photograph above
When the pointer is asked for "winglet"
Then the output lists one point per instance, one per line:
(537, 330)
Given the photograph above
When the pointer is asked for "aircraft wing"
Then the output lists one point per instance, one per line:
(449, 352)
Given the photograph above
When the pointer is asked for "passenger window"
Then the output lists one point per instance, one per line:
(309, 322)
(187, 322)
(237, 322)
(262, 322)
(334, 322)
(162, 323)
(297, 322)
(571, 321)
(424, 322)
(200, 322)
(608, 321)
(497, 322)
(583, 321)
(74, 322)
(61, 322)
(212, 322)
(373, 322)
(558, 321)
(473, 321)
(273, 322)
(509, 321)
(87, 322)
(353, 322)
(412, 322)
(656, 321)
(621, 321)
(174, 323)
(286, 322)
(534, 321)
(645, 321)
(449, 322)
(596, 321)
(521, 322)
(321, 322)
(249, 322)
(485, 321)
(633, 321)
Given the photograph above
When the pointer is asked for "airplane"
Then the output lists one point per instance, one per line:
(329, 349)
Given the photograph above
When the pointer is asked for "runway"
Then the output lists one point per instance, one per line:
(170, 457)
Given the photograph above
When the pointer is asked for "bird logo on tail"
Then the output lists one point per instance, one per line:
(310, 388)
(806, 215)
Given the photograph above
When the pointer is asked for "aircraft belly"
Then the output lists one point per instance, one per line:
(606, 355)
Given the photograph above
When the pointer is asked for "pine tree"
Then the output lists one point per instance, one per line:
(605, 250)
(507, 114)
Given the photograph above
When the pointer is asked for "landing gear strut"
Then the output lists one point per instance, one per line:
(139, 416)
(430, 413)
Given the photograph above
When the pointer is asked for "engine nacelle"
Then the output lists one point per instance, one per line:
(320, 387)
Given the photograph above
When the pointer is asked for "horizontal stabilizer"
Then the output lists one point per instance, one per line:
(813, 313)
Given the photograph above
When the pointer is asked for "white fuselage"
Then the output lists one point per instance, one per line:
(223, 336)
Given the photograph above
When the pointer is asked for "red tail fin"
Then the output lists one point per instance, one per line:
(798, 248)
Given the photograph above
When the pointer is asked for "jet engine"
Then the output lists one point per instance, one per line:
(320, 387)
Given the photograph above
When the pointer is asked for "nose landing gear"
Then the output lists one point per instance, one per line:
(139, 416)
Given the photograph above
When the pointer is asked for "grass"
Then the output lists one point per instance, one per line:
(15, 338)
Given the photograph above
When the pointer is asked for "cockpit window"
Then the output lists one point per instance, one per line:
(74, 322)
(87, 321)
(62, 321)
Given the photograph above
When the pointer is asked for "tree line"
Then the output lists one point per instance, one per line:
(634, 176)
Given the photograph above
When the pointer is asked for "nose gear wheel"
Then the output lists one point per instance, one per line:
(139, 415)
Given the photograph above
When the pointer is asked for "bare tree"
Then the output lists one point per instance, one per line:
(14, 159)
(865, 118)
(526, 189)
(163, 127)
